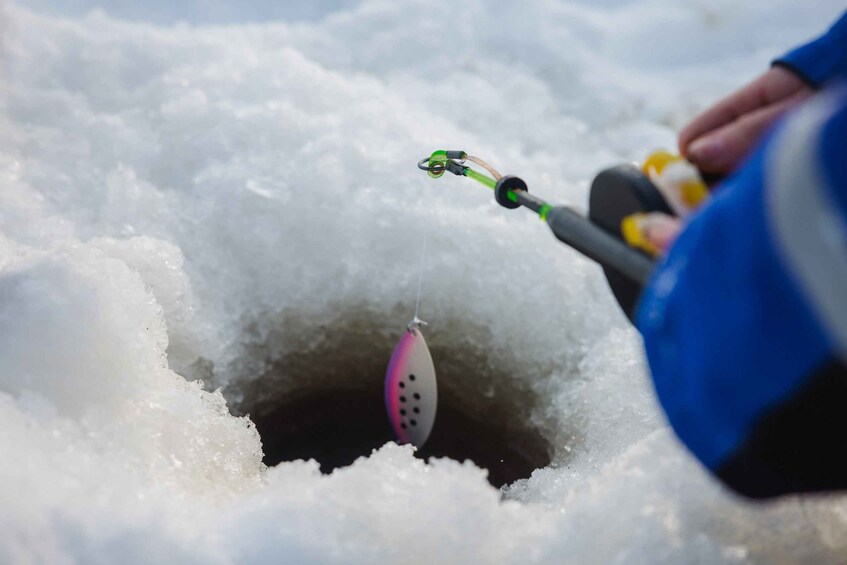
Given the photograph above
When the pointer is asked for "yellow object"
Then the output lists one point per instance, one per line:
(693, 192)
(633, 234)
(657, 161)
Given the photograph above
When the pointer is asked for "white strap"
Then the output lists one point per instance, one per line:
(809, 232)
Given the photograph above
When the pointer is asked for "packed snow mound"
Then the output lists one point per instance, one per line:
(183, 205)
(83, 346)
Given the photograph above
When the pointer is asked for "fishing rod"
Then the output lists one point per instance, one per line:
(616, 194)
(610, 235)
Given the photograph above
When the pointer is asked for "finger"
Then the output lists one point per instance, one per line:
(661, 230)
(772, 87)
(723, 149)
(653, 232)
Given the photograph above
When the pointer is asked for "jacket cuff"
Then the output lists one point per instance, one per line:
(821, 60)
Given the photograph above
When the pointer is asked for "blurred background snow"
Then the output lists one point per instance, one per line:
(197, 11)
(185, 186)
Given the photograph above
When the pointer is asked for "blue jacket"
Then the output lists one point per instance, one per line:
(745, 319)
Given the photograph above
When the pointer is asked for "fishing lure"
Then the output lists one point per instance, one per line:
(411, 391)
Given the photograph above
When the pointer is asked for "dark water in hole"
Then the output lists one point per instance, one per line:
(336, 427)
(324, 401)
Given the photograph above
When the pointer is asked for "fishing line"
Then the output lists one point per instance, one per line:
(415, 319)
(484, 165)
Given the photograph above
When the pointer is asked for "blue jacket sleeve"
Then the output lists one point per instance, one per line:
(745, 320)
(823, 59)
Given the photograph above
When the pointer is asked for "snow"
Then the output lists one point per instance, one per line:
(185, 188)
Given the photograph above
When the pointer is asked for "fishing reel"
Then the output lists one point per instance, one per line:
(619, 199)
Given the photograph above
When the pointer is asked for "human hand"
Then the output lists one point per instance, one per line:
(717, 140)
(683, 189)
(653, 232)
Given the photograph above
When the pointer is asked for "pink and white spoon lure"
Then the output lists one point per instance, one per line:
(411, 393)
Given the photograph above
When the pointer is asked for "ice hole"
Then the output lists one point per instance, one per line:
(323, 400)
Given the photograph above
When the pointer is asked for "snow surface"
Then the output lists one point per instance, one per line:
(175, 193)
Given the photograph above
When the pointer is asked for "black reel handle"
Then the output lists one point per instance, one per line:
(616, 193)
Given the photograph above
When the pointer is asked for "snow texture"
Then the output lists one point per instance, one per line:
(180, 185)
